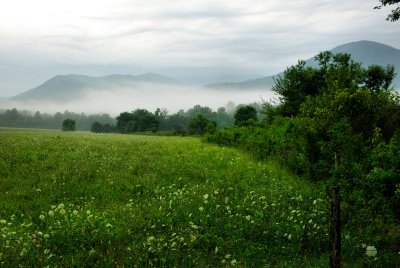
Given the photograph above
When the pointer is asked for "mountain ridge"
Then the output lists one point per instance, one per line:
(72, 86)
(62, 88)
(363, 51)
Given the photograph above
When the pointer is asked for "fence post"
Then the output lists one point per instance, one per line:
(334, 232)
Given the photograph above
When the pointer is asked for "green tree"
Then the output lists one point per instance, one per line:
(177, 122)
(124, 122)
(336, 71)
(144, 120)
(395, 13)
(138, 120)
(297, 83)
(245, 115)
(96, 127)
(223, 118)
(377, 77)
(69, 125)
(200, 125)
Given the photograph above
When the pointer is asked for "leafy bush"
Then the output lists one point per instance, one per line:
(337, 125)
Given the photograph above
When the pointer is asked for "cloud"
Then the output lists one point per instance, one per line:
(257, 35)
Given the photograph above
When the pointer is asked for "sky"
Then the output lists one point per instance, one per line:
(193, 41)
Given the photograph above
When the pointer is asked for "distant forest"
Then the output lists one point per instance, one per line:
(27, 119)
(139, 120)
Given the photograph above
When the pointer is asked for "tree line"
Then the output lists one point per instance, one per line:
(26, 119)
(197, 120)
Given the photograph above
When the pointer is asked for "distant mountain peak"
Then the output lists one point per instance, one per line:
(72, 86)
(365, 43)
(363, 51)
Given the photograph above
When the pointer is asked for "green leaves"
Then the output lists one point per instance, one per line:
(69, 125)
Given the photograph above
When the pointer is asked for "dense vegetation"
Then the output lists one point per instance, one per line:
(69, 125)
(196, 120)
(192, 204)
(139, 120)
(74, 199)
(338, 124)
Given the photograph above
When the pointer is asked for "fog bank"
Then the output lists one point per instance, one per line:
(119, 99)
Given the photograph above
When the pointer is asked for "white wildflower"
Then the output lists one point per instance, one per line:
(371, 251)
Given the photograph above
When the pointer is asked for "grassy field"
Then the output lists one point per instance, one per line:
(81, 199)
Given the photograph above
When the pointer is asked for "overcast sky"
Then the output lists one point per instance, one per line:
(192, 41)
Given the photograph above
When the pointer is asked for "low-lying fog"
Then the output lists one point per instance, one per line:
(117, 100)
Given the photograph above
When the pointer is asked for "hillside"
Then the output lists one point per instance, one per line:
(259, 83)
(366, 52)
(69, 87)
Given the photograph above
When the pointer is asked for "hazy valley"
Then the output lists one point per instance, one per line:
(115, 93)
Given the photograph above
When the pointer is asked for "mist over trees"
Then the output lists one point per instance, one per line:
(196, 120)
(26, 119)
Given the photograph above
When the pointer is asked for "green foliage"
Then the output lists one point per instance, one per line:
(175, 122)
(102, 128)
(297, 83)
(125, 200)
(377, 78)
(245, 115)
(338, 124)
(139, 120)
(197, 120)
(24, 119)
(200, 125)
(69, 125)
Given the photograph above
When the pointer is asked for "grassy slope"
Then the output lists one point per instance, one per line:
(112, 200)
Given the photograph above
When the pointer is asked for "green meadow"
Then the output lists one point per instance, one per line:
(112, 200)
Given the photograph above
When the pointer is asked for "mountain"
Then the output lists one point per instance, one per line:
(70, 87)
(259, 83)
(365, 52)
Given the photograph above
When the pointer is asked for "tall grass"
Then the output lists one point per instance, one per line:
(79, 199)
